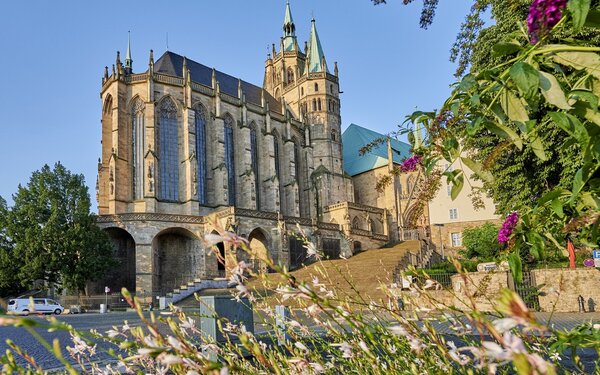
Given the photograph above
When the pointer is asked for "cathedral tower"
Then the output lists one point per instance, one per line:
(308, 92)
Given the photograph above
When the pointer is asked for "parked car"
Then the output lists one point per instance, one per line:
(25, 306)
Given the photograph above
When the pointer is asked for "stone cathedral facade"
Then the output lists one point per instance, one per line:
(188, 150)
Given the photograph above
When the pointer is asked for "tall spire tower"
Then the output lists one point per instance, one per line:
(315, 59)
(128, 60)
(289, 30)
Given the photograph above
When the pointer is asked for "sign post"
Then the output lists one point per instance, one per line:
(596, 256)
(106, 291)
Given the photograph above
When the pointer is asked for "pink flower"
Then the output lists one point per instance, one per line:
(507, 227)
(543, 15)
(410, 164)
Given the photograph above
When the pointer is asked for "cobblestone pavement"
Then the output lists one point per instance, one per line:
(104, 322)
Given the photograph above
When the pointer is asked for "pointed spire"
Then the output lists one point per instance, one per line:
(214, 79)
(289, 30)
(128, 60)
(315, 57)
(151, 60)
(239, 88)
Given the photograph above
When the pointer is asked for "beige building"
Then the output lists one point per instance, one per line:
(449, 218)
(187, 149)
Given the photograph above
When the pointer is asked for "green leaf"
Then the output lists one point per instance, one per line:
(571, 125)
(513, 107)
(505, 48)
(585, 95)
(557, 207)
(504, 132)
(459, 181)
(552, 91)
(478, 169)
(538, 149)
(468, 82)
(589, 61)
(593, 19)
(579, 10)
(551, 195)
(526, 78)
(516, 267)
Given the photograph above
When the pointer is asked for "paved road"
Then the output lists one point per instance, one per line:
(104, 322)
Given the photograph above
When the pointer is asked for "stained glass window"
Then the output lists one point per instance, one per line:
(200, 115)
(230, 159)
(137, 150)
(298, 174)
(254, 161)
(168, 151)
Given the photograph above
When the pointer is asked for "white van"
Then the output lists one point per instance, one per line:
(24, 306)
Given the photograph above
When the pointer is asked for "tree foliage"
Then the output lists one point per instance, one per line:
(51, 234)
(534, 117)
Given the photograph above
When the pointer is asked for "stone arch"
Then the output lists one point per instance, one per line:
(277, 92)
(259, 243)
(108, 103)
(179, 258)
(137, 146)
(290, 75)
(123, 274)
(107, 129)
(376, 226)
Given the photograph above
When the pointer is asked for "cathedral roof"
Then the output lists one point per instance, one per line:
(356, 137)
(172, 64)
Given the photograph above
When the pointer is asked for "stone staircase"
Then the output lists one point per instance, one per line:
(188, 289)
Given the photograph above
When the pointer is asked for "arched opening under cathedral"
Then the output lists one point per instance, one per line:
(123, 274)
(259, 250)
(180, 258)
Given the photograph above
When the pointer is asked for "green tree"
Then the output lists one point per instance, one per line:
(54, 235)
(9, 264)
(481, 242)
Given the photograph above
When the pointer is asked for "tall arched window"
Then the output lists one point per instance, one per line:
(254, 161)
(230, 158)
(314, 104)
(301, 91)
(316, 87)
(278, 169)
(138, 147)
(298, 173)
(200, 115)
(168, 151)
(319, 104)
(290, 75)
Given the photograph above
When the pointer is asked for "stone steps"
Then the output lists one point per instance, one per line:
(190, 288)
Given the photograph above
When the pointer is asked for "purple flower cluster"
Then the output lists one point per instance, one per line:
(507, 227)
(411, 163)
(543, 15)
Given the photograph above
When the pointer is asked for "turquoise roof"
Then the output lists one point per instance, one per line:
(314, 58)
(356, 137)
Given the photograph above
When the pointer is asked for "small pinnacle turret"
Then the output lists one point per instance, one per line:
(289, 30)
(128, 60)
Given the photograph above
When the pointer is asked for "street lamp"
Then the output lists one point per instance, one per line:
(441, 241)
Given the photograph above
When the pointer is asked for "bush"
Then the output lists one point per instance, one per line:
(481, 243)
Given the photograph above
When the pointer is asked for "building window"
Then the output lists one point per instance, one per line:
(301, 91)
(290, 75)
(316, 87)
(456, 239)
(168, 151)
(254, 162)
(329, 105)
(333, 135)
(314, 104)
(200, 115)
(138, 148)
(453, 213)
(319, 104)
(298, 173)
(230, 159)
(331, 88)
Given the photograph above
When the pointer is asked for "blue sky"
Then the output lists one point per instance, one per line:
(54, 53)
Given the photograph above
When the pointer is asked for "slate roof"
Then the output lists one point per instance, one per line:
(172, 64)
(355, 137)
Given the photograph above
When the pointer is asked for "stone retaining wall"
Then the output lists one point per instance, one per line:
(560, 289)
